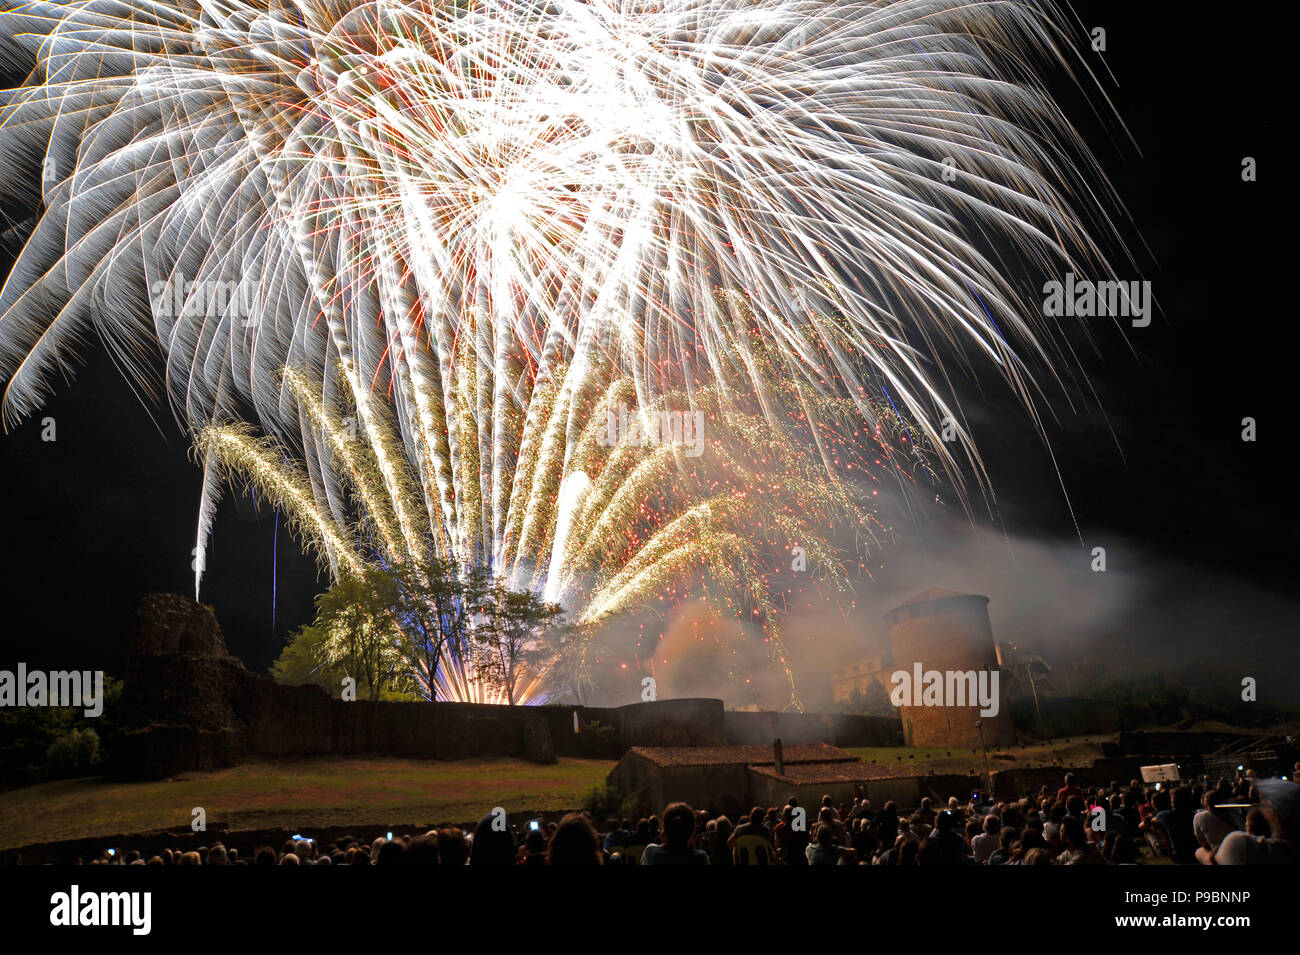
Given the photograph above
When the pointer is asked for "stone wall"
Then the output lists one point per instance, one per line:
(1066, 716)
(188, 705)
(766, 791)
(1174, 742)
(838, 729)
(228, 716)
(1013, 783)
(168, 623)
(904, 790)
(940, 786)
(688, 722)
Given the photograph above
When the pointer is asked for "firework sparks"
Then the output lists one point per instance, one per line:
(422, 246)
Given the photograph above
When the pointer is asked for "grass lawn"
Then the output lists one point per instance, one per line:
(304, 794)
(1078, 751)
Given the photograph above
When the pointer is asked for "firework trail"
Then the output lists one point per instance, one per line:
(424, 248)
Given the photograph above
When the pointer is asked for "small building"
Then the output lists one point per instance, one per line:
(733, 779)
(856, 676)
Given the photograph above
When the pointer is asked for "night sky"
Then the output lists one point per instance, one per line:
(106, 513)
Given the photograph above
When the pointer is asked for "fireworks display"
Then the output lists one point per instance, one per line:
(398, 264)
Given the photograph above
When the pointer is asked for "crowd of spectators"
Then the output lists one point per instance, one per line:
(1239, 821)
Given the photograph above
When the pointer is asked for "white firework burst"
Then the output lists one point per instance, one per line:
(436, 211)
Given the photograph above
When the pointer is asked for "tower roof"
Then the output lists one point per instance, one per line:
(932, 595)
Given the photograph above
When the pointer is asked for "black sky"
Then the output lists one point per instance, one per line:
(106, 513)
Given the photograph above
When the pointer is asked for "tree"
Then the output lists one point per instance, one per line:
(361, 635)
(392, 627)
(433, 605)
(510, 631)
(304, 660)
(874, 701)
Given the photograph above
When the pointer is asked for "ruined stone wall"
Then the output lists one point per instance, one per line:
(188, 705)
(838, 729)
(1066, 716)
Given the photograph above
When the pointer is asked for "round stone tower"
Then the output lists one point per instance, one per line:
(948, 632)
